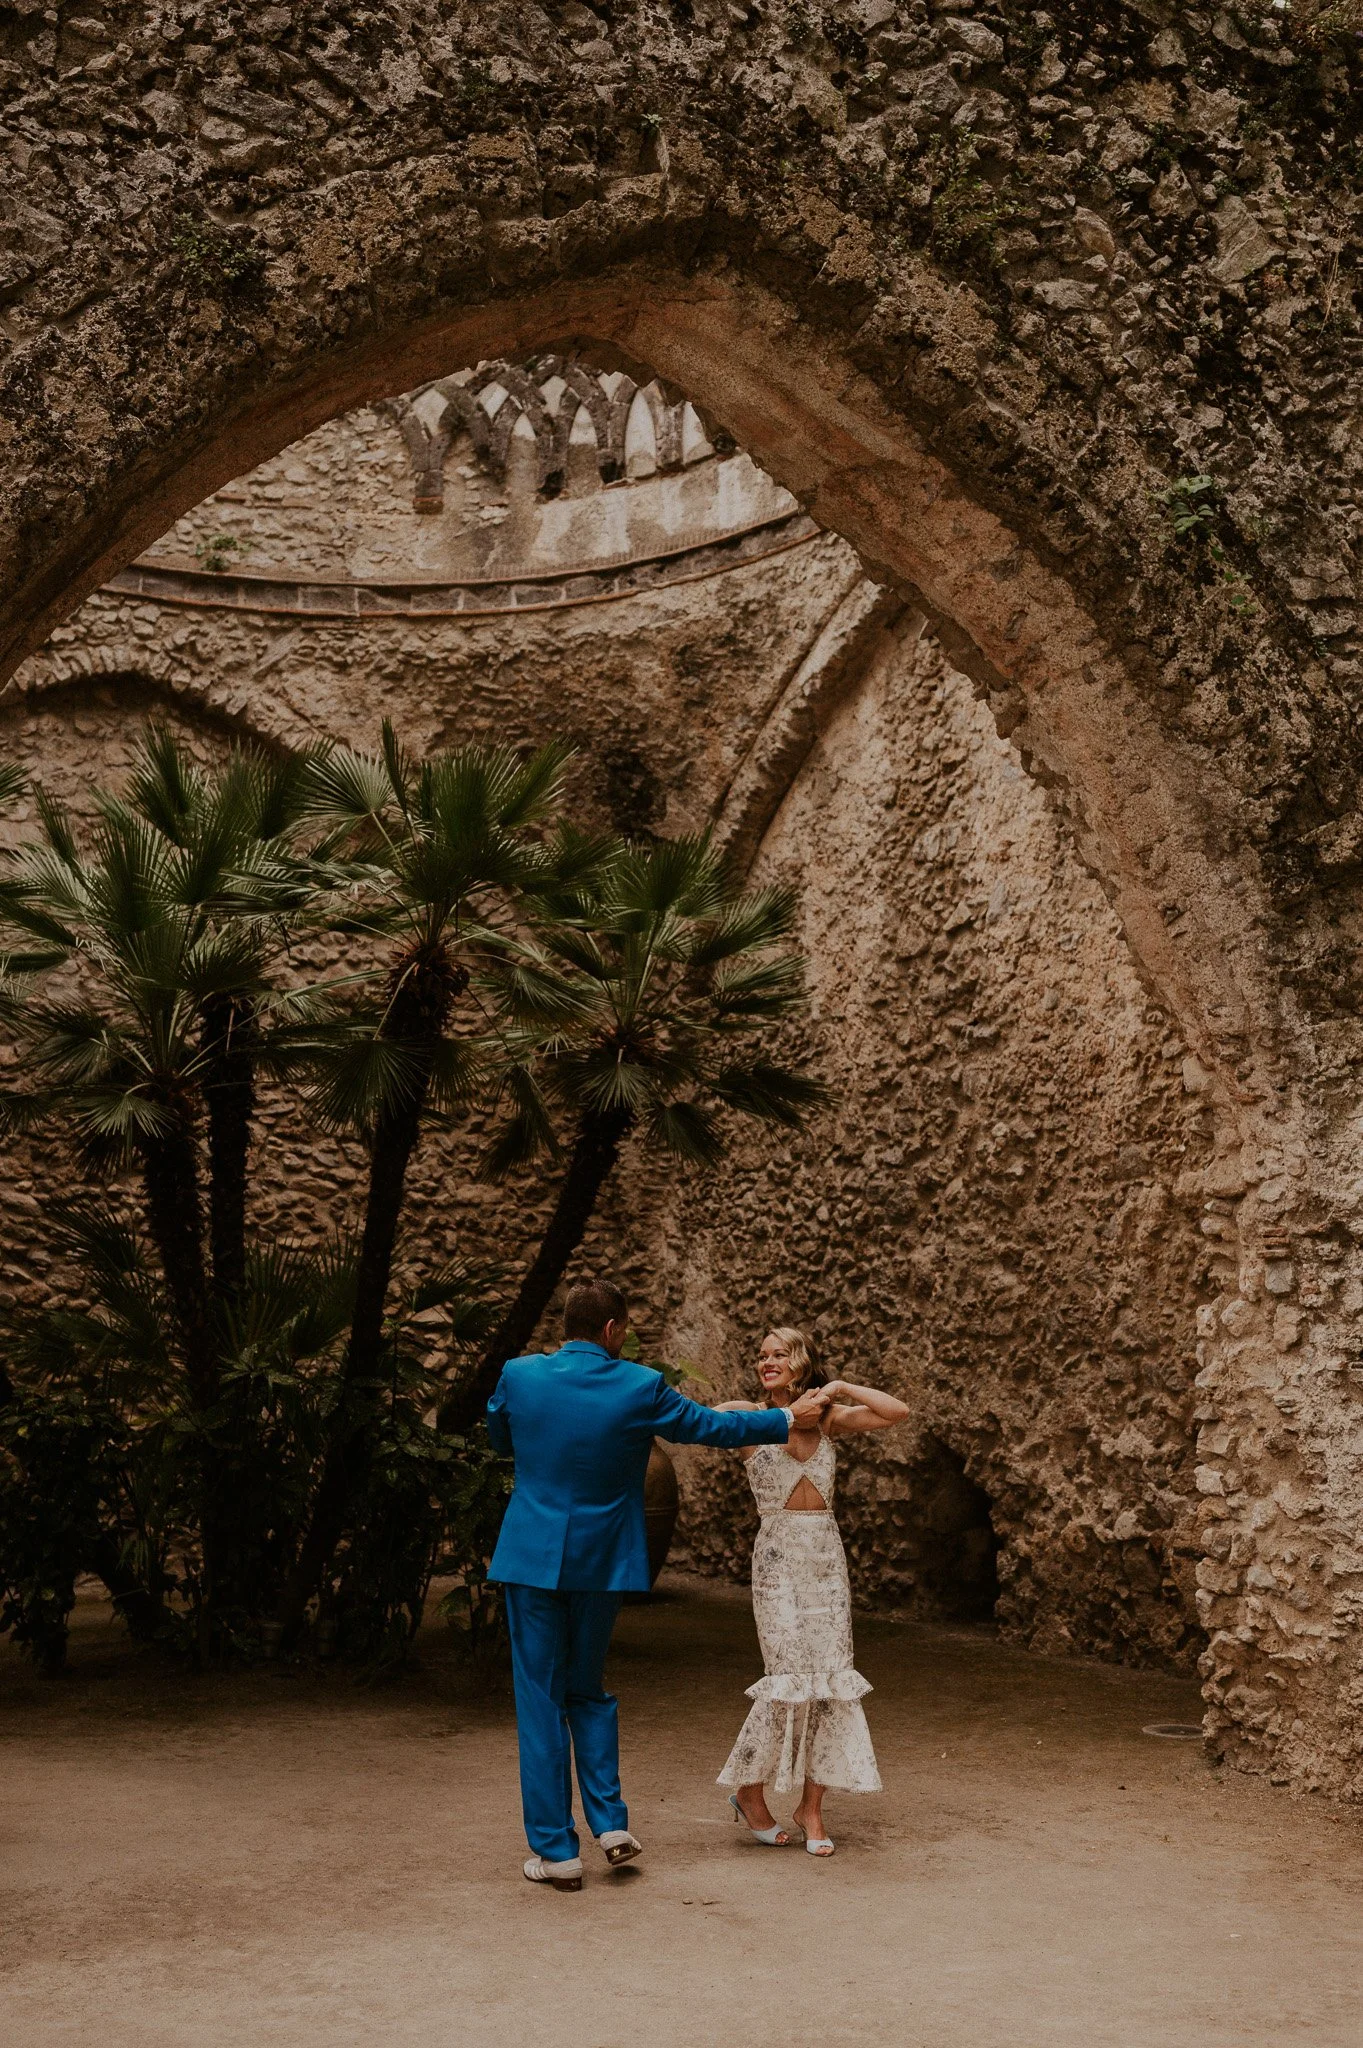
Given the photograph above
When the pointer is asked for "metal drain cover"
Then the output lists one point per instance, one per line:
(1175, 1731)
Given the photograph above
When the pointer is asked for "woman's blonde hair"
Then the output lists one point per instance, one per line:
(804, 1373)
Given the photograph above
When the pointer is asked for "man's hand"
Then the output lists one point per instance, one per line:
(807, 1411)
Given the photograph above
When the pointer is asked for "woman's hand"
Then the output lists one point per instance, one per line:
(807, 1412)
(835, 1389)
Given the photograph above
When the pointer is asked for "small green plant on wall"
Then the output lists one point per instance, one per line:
(215, 553)
(1192, 509)
(967, 211)
(218, 264)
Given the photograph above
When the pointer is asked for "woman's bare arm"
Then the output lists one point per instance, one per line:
(857, 1411)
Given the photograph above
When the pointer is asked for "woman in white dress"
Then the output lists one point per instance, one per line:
(806, 1728)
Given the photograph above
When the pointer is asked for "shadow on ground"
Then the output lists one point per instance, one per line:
(285, 1860)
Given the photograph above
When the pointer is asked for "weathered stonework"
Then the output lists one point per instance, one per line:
(973, 285)
(997, 1218)
(1000, 1217)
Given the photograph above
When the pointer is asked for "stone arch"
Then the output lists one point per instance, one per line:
(1004, 611)
(975, 297)
(831, 668)
(160, 681)
(1013, 621)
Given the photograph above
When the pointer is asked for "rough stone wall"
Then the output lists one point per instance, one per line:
(633, 683)
(663, 693)
(340, 504)
(974, 284)
(997, 1220)
(987, 1220)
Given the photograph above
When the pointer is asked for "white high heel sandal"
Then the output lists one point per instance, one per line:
(772, 1837)
(815, 1845)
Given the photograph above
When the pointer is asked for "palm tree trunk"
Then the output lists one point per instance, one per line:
(347, 1454)
(595, 1151)
(424, 992)
(229, 1089)
(170, 1179)
(142, 1609)
(230, 1041)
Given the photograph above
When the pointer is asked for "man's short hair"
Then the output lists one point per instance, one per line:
(590, 1306)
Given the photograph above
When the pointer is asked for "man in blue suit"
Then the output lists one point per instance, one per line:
(580, 1423)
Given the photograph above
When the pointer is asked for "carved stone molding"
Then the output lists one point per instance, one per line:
(622, 427)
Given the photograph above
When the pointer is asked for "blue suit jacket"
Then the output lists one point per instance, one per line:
(580, 1424)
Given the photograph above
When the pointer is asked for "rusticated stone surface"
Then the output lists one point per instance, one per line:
(973, 284)
(998, 1219)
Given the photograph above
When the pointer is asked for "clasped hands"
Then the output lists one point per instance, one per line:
(806, 1412)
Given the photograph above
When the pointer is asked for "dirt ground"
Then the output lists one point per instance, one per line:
(285, 1860)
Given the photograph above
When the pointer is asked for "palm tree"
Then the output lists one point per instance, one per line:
(449, 850)
(236, 828)
(675, 972)
(163, 930)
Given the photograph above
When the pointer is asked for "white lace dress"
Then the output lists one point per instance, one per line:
(806, 1719)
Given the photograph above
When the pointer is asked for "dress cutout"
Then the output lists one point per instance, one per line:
(806, 1719)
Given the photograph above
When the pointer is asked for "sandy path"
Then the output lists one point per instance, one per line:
(279, 1861)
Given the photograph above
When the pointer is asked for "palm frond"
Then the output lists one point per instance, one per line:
(297, 1300)
(43, 896)
(165, 785)
(530, 991)
(589, 951)
(684, 876)
(130, 880)
(687, 1131)
(104, 1243)
(75, 1041)
(277, 783)
(400, 766)
(22, 1109)
(749, 924)
(614, 1083)
(771, 1093)
(119, 1116)
(758, 989)
(572, 869)
(467, 1294)
(526, 1133)
(536, 785)
(346, 789)
(361, 1074)
(230, 961)
(24, 966)
(56, 823)
(458, 1068)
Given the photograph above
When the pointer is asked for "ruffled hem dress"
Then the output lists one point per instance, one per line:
(806, 1720)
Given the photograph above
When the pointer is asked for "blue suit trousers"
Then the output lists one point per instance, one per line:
(564, 1714)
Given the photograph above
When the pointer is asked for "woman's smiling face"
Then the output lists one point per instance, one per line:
(774, 1366)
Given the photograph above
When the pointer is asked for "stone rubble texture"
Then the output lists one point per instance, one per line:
(972, 284)
(996, 1218)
